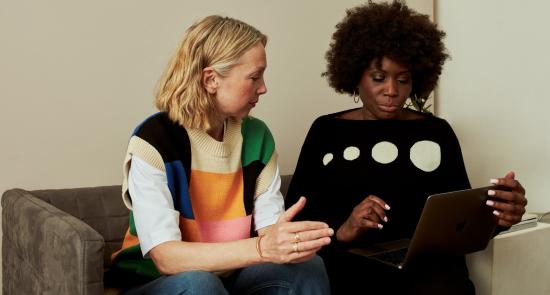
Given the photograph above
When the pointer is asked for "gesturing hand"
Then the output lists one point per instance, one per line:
(294, 242)
(368, 214)
(509, 205)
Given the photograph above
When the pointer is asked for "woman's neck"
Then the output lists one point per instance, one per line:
(361, 114)
(216, 130)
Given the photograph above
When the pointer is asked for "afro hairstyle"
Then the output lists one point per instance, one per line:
(372, 31)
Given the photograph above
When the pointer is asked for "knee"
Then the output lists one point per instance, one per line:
(312, 272)
(197, 276)
(196, 282)
(314, 265)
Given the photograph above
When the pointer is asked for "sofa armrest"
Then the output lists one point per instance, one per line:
(513, 263)
(47, 251)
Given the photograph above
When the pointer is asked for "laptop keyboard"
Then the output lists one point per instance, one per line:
(393, 257)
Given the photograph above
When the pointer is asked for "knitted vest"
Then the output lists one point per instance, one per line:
(213, 194)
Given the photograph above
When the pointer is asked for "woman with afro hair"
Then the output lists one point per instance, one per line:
(368, 171)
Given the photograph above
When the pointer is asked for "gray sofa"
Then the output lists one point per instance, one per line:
(60, 241)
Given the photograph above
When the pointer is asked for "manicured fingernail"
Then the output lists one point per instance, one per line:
(387, 207)
(330, 231)
(491, 192)
(494, 181)
(490, 203)
(496, 213)
(380, 226)
(385, 219)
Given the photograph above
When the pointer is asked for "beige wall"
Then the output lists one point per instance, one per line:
(76, 77)
(494, 90)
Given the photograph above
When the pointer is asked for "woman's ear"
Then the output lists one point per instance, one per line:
(210, 80)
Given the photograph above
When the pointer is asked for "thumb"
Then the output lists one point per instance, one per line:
(510, 175)
(291, 212)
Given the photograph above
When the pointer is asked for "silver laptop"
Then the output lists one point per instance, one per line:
(452, 223)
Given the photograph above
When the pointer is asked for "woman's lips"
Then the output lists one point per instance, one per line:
(387, 108)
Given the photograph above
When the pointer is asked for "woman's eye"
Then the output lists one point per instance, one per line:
(403, 81)
(378, 78)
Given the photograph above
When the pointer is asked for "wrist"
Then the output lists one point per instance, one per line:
(259, 247)
(346, 232)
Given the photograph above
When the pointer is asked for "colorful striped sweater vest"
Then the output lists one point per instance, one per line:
(213, 184)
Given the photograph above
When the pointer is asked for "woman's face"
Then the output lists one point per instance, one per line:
(384, 88)
(239, 91)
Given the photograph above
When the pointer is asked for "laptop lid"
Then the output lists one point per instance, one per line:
(452, 223)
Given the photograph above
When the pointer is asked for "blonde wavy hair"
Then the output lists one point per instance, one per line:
(216, 42)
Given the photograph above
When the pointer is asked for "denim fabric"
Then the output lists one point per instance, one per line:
(192, 282)
(305, 278)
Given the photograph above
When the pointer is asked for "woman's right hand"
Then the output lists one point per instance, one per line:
(368, 214)
(294, 242)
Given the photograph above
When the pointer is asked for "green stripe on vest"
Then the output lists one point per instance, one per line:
(132, 224)
(258, 142)
(131, 260)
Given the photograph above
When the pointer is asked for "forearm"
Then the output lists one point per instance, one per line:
(177, 256)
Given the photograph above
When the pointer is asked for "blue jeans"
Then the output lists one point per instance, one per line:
(304, 278)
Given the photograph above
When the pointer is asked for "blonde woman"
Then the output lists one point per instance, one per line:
(202, 181)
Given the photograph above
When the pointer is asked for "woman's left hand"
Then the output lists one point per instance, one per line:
(509, 205)
(290, 241)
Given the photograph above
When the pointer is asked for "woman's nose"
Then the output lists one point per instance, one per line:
(391, 87)
(262, 89)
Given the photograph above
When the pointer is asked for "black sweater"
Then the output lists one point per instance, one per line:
(400, 161)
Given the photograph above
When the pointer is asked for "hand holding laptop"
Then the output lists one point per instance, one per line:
(509, 205)
(451, 224)
(370, 213)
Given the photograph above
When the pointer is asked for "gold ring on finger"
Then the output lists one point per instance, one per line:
(295, 246)
(296, 238)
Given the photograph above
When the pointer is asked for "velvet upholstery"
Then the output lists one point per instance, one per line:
(59, 241)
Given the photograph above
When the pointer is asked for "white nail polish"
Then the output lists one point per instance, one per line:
(385, 219)
(387, 207)
(490, 202)
(380, 226)
(496, 213)
(494, 181)
(491, 192)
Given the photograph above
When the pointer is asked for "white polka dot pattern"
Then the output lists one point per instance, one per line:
(327, 158)
(384, 152)
(351, 153)
(426, 155)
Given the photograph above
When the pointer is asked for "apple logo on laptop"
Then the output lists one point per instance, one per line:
(460, 226)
